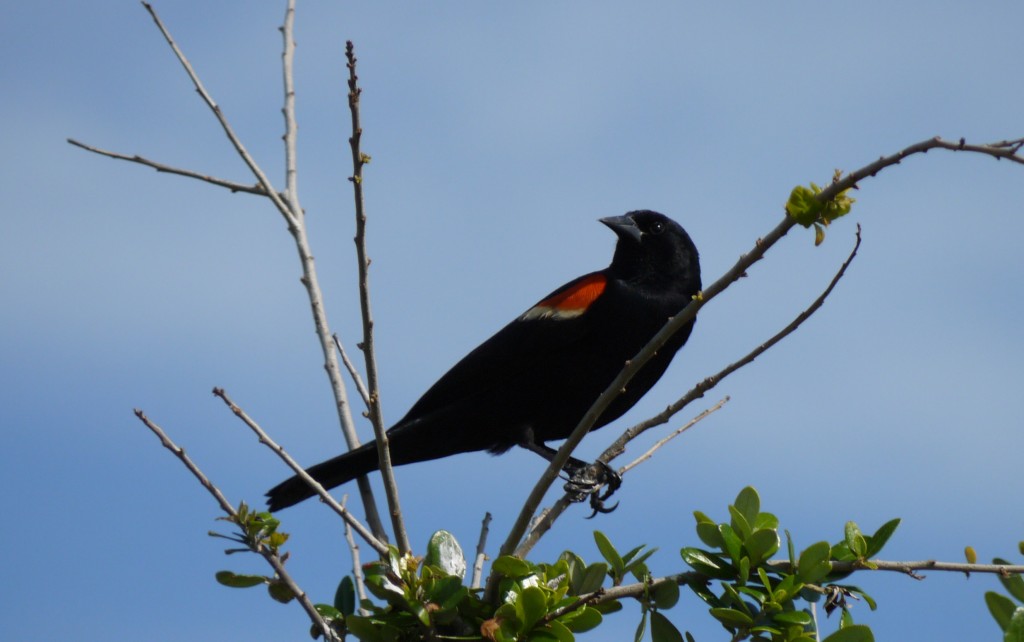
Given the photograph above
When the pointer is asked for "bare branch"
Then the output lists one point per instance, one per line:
(481, 555)
(631, 368)
(168, 169)
(672, 435)
(1003, 149)
(357, 567)
(268, 188)
(291, 126)
(270, 556)
(543, 525)
(345, 514)
(783, 566)
(352, 372)
(619, 445)
(359, 159)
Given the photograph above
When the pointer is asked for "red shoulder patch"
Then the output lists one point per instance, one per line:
(571, 301)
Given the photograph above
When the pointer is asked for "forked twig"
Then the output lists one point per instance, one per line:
(288, 206)
(265, 439)
(619, 445)
(1002, 150)
(256, 189)
(270, 556)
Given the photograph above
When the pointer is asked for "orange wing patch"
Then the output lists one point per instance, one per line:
(570, 302)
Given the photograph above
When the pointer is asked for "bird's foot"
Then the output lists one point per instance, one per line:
(587, 480)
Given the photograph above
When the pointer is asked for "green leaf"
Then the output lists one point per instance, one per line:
(855, 540)
(280, 592)
(798, 618)
(819, 234)
(641, 627)
(327, 611)
(882, 536)
(732, 617)
(511, 566)
(560, 631)
(628, 557)
(803, 206)
(583, 619)
(345, 596)
(1013, 583)
(707, 530)
(748, 503)
(1015, 632)
(444, 552)
(739, 522)
(814, 563)
(666, 595)
(609, 553)
(761, 545)
(760, 595)
(593, 578)
(731, 542)
(766, 520)
(1001, 608)
(534, 606)
(855, 633)
(707, 563)
(662, 630)
(234, 580)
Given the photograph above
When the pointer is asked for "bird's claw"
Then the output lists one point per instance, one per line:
(587, 481)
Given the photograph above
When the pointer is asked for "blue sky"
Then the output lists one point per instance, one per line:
(499, 134)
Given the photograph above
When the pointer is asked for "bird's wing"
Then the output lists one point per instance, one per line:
(555, 324)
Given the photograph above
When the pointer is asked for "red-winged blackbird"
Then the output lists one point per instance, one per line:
(533, 381)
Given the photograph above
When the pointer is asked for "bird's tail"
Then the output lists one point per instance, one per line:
(331, 473)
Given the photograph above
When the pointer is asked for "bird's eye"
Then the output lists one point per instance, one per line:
(657, 227)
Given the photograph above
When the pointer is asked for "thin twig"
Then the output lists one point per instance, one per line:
(909, 569)
(291, 126)
(585, 600)
(270, 556)
(619, 383)
(352, 372)
(619, 445)
(282, 207)
(481, 555)
(265, 439)
(168, 169)
(672, 435)
(357, 567)
(359, 159)
(288, 206)
(543, 525)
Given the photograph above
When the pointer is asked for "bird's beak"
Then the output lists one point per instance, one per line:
(624, 227)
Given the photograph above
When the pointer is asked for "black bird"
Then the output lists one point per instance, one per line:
(533, 381)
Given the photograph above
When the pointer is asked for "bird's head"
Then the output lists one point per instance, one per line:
(653, 248)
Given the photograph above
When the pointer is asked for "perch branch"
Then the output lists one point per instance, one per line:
(619, 445)
(1007, 149)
